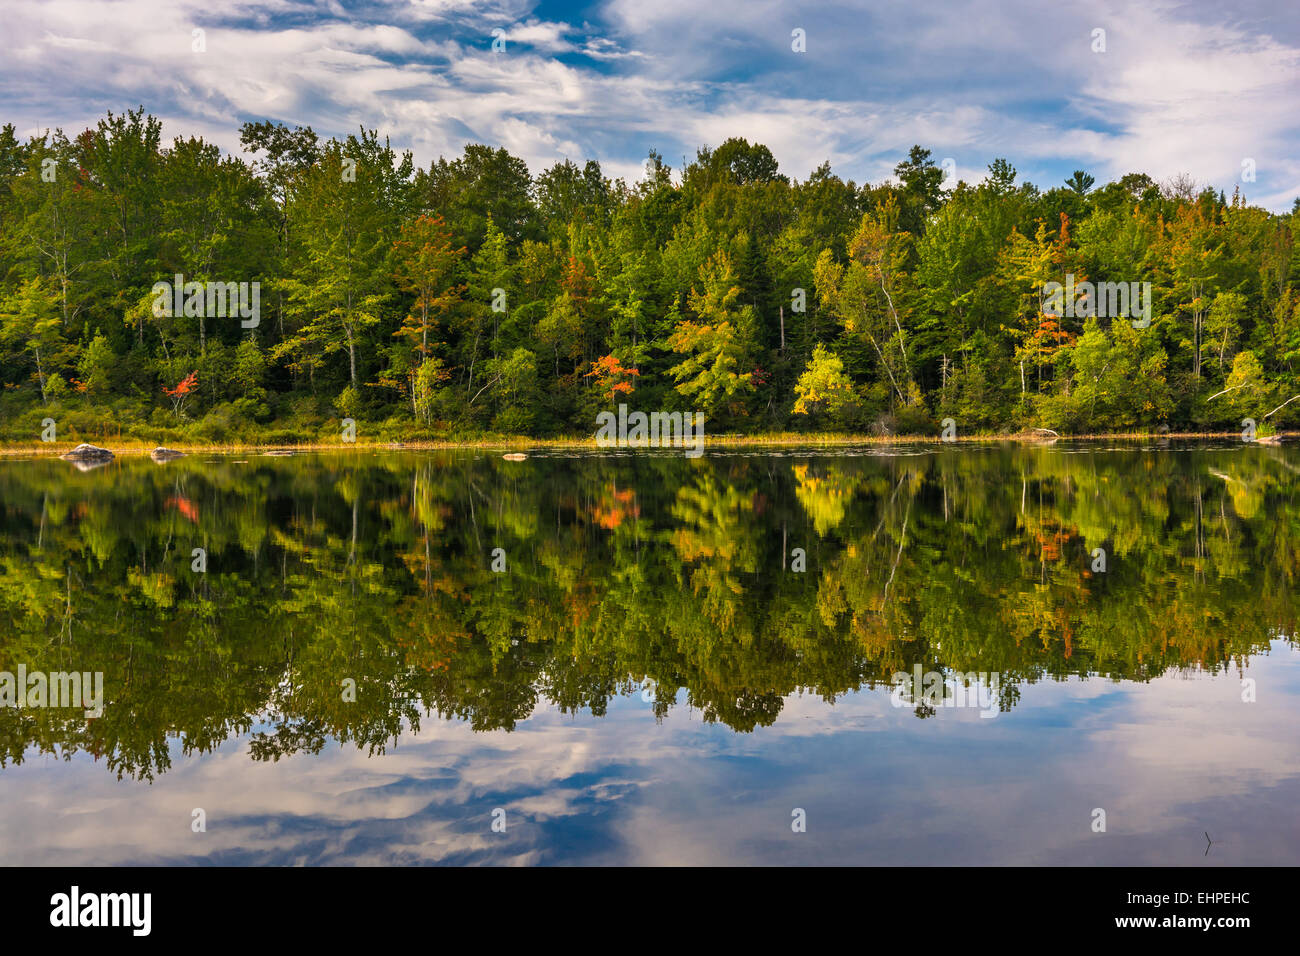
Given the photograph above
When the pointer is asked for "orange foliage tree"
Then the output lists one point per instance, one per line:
(183, 390)
(612, 378)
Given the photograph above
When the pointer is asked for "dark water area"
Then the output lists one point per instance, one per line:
(642, 658)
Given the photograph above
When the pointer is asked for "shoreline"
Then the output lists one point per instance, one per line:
(55, 449)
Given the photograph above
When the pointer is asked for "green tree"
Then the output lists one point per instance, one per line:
(32, 330)
(823, 386)
(717, 370)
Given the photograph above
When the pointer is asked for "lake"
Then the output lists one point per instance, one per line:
(401, 657)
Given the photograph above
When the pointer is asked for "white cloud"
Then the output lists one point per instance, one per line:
(1180, 88)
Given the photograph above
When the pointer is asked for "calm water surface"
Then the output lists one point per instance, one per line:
(651, 678)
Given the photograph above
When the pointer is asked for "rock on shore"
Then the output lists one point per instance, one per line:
(84, 452)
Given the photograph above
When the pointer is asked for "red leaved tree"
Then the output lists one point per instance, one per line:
(611, 377)
(178, 395)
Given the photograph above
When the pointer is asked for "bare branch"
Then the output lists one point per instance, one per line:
(1234, 388)
(1284, 404)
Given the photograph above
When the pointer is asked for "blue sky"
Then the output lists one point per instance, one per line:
(1182, 87)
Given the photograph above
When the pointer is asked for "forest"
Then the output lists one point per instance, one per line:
(472, 299)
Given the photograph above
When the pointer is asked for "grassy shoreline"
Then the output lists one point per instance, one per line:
(786, 439)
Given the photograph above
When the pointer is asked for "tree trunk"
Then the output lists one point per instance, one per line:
(352, 356)
(40, 374)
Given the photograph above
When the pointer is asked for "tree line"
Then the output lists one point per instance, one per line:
(473, 298)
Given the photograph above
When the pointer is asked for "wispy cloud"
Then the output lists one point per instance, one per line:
(1180, 88)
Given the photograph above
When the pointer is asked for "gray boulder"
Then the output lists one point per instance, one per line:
(84, 452)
